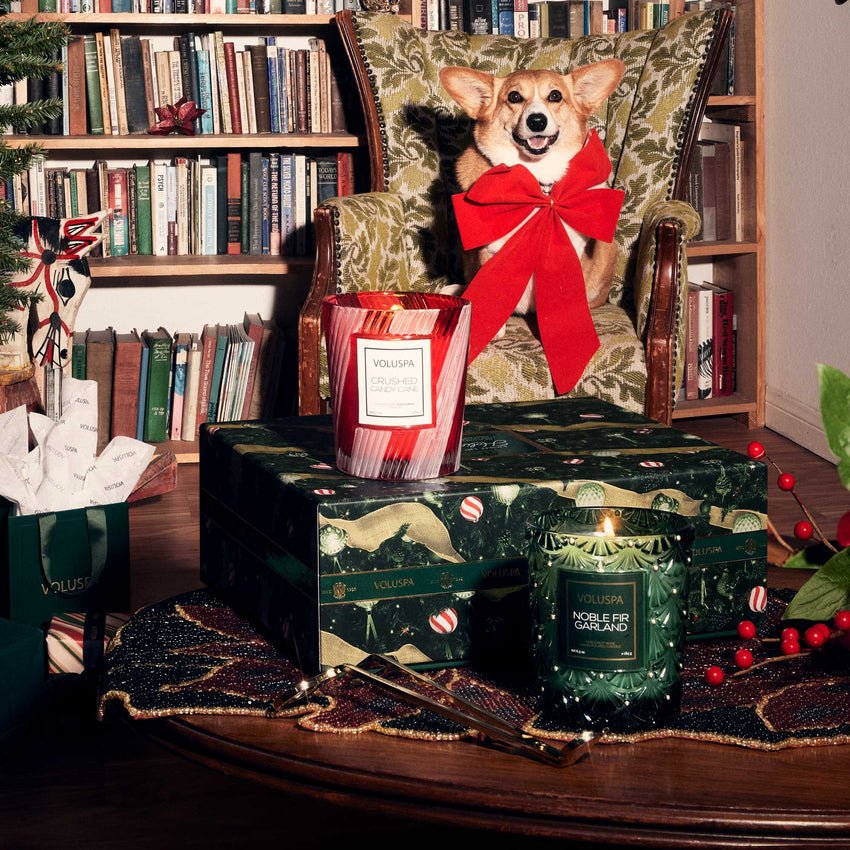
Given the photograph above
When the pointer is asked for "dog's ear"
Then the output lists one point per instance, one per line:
(591, 84)
(473, 90)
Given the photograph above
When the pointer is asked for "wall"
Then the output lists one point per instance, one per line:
(807, 116)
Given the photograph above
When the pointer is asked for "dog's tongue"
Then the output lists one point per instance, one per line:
(538, 142)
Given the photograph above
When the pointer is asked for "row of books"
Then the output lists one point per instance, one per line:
(716, 182)
(544, 18)
(566, 19)
(158, 386)
(192, 7)
(710, 342)
(254, 203)
(115, 83)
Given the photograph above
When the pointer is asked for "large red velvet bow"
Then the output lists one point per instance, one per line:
(497, 203)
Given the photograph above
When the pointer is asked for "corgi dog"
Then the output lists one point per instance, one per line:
(538, 119)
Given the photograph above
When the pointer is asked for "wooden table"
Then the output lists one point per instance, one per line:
(669, 793)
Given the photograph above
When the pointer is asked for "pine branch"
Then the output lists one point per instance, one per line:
(17, 160)
(29, 38)
(37, 67)
(25, 116)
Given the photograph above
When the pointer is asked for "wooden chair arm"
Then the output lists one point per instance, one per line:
(662, 324)
(309, 321)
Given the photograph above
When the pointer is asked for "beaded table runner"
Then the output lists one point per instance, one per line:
(192, 654)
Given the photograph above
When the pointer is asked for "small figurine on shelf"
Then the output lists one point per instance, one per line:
(177, 118)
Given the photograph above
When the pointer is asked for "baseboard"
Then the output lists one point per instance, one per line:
(797, 421)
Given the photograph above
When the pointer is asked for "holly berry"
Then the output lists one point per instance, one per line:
(743, 659)
(755, 450)
(714, 675)
(790, 647)
(746, 629)
(814, 636)
(842, 620)
(803, 530)
(789, 633)
(824, 629)
(786, 481)
(843, 532)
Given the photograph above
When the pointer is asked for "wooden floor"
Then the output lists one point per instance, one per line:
(91, 785)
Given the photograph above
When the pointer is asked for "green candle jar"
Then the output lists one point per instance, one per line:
(608, 595)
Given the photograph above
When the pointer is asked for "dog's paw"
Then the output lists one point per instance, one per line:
(452, 289)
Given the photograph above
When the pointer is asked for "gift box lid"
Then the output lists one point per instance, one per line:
(517, 460)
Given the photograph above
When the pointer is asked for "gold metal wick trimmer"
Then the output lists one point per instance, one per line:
(491, 728)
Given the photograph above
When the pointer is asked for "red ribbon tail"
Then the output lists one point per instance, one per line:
(496, 289)
(566, 327)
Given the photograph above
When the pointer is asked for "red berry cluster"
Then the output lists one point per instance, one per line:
(814, 637)
(805, 529)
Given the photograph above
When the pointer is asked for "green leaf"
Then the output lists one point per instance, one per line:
(835, 412)
(826, 592)
(811, 558)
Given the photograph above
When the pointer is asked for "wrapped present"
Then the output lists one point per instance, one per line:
(22, 677)
(64, 561)
(336, 567)
(77, 642)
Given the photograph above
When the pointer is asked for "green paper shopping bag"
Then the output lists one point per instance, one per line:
(75, 560)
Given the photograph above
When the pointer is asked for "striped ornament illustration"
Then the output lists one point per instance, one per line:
(445, 622)
(472, 508)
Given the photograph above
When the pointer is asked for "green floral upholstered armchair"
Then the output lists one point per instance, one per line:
(401, 234)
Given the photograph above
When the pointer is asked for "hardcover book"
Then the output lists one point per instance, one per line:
(159, 385)
(125, 385)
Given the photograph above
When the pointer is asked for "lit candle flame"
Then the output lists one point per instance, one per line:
(608, 527)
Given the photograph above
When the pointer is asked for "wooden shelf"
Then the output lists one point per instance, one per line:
(85, 145)
(724, 405)
(184, 450)
(716, 249)
(169, 23)
(727, 100)
(196, 269)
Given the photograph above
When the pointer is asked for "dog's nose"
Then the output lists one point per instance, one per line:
(536, 122)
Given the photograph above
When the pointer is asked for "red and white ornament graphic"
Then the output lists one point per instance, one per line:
(651, 464)
(445, 622)
(320, 466)
(472, 508)
(590, 416)
(758, 599)
(574, 461)
(324, 491)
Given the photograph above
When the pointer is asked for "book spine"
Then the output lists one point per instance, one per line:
(159, 378)
(107, 84)
(255, 171)
(143, 209)
(119, 81)
(725, 348)
(178, 392)
(301, 88)
(132, 210)
(274, 204)
(260, 79)
(226, 110)
(135, 99)
(149, 80)
(193, 73)
(125, 388)
(208, 210)
(205, 89)
(705, 344)
(119, 240)
(93, 98)
(208, 344)
(692, 329)
(159, 209)
(234, 203)
(232, 82)
(190, 400)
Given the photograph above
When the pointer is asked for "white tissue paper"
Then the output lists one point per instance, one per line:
(63, 471)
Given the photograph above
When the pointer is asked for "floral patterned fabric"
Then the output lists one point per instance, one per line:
(411, 242)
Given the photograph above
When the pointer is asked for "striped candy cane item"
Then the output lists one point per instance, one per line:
(397, 368)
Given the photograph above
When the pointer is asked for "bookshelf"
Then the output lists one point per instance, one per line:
(287, 275)
(740, 266)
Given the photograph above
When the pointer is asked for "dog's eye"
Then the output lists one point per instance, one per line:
(514, 97)
(555, 96)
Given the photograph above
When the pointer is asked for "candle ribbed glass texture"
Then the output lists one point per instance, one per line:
(608, 609)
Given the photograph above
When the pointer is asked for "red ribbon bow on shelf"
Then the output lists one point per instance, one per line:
(497, 203)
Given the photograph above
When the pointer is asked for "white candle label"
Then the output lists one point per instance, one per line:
(394, 382)
(601, 620)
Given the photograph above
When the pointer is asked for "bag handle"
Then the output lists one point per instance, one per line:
(98, 549)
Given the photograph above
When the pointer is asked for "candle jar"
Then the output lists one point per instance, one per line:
(608, 614)
(397, 369)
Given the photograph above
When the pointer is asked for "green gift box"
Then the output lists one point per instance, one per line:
(434, 571)
(74, 560)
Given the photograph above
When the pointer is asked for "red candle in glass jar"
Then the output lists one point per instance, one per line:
(397, 368)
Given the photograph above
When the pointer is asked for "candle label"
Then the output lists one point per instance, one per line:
(394, 382)
(601, 618)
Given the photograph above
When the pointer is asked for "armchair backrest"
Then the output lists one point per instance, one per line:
(415, 131)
